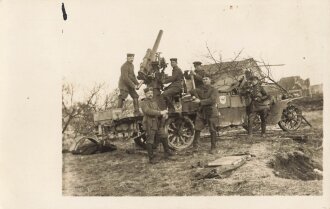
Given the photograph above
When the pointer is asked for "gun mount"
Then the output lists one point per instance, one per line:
(151, 56)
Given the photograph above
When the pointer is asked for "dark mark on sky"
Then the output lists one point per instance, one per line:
(65, 16)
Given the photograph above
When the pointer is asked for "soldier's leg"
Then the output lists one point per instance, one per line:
(196, 138)
(263, 116)
(212, 122)
(163, 137)
(156, 143)
(250, 124)
(168, 96)
(150, 140)
(199, 126)
(135, 97)
(123, 94)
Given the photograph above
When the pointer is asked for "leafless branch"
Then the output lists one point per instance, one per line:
(210, 55)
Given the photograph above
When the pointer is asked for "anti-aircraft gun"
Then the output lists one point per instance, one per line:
(146, 73)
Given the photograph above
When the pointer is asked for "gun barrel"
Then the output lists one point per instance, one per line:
(156, 45)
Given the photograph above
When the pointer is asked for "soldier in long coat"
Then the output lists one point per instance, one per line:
(259, 104)
(154, 125)
(176, 84)
(128, 83)
(155, 82)
(207, 97)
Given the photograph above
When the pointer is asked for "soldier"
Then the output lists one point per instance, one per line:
(176, 84)
(128, 83)
(155, 81)
(207, 97)
(154, 125)
(259, 104)
(198, 74)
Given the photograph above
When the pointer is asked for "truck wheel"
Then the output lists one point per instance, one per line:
(86, 145)
(181, 131)
(140, 139)
(291, 118)
(255, 121)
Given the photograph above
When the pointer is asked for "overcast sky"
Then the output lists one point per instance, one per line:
(92, 44)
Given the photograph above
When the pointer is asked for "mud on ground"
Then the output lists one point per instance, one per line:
(120, 174)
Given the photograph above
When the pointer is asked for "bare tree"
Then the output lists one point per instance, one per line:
(72, 110)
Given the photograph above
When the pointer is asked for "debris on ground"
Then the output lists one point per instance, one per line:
(299, 138)
(222, 167)
(88, 146)
(136, 151)
(296, 165)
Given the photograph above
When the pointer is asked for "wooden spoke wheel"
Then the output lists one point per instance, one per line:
(181, 132)
(291, 118)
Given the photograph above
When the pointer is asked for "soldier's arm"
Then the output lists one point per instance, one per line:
(195, 92)
(177, 75)
(133, 77)
(148, 111)
(125, 76)
(212, 99)
(199, 76)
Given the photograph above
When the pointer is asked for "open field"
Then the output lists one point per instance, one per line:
(118, 173)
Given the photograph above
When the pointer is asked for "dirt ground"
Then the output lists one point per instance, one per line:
(118, 173)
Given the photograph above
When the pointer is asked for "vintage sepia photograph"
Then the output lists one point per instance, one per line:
(164, 104)
(192, 99)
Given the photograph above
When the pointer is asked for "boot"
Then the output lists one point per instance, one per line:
(213, 142)
(169, 105)
(167, 152)
(263, 129)
(196, 140)
(152, 159)
(136, 107)
(249, 128)
(120, 102)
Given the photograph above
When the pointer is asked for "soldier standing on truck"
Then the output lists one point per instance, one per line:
(176, 84)
(154, 125)
(207, 97)
(198, 74)
(155, 81)
(128, 83)
(259, 104)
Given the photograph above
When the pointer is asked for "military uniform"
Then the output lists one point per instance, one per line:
(259, 104)
(174, 88)
(156, 84)
(208, 113)
(127, 83)
(198, 77)
(199, 74)
(154, 125)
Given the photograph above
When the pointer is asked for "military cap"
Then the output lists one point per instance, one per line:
(174, 59)
(130, 55)
(147, 89)
(196, 63)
